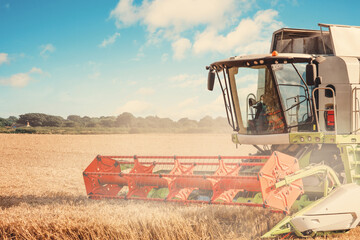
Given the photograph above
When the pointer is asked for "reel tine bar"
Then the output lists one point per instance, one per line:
(224, 178)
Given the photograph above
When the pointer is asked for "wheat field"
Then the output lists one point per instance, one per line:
(42, 194)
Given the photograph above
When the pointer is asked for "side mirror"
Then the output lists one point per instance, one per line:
(310, 74)
(211, 80)
(318, 80)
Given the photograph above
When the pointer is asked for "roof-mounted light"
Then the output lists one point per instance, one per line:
(274, 53)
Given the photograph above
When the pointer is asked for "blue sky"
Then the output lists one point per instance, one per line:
(100, 58)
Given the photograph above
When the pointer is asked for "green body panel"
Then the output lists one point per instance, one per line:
(314, 138)
(301, 203)
(349, 146)
(350, 155)
(304, 161)
(320, 138)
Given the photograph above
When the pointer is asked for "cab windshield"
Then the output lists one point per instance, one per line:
(272, 98)
(259, 102)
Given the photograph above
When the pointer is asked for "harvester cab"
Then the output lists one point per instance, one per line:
(299, 107)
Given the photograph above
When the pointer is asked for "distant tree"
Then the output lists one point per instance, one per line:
(40, 119)
(187, 123)
(125, 120)
(141, 122)
(75, 118)
(91, 124)
(86, 119)
(35, 119)
(107, 122)
(152, 122)
(166, 123)
(87, 122)
(206, 122)
(68, 123)
(4, 122)
(12, 119)
(53, 121)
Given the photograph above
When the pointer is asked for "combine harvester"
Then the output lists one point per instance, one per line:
(300, 108)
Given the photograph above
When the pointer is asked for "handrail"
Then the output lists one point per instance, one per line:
(309, 171)
(225, 94)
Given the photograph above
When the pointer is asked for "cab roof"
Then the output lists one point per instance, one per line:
(262, 59)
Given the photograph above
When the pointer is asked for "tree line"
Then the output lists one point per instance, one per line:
(124, 120)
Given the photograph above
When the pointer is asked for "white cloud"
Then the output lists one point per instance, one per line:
(178, 16)
(36, 70)
(126, 13)
(188, 81)
(188, 102)
(260, 46)
(170, 19)
(139, 55)
(17, 80)
(20, 79)
(110, 40)
(4, 58)
(250, 35)
(247, 78)
(136, 107)
(145, 91)
(193, 109)
(46, 49)
(180, 47)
